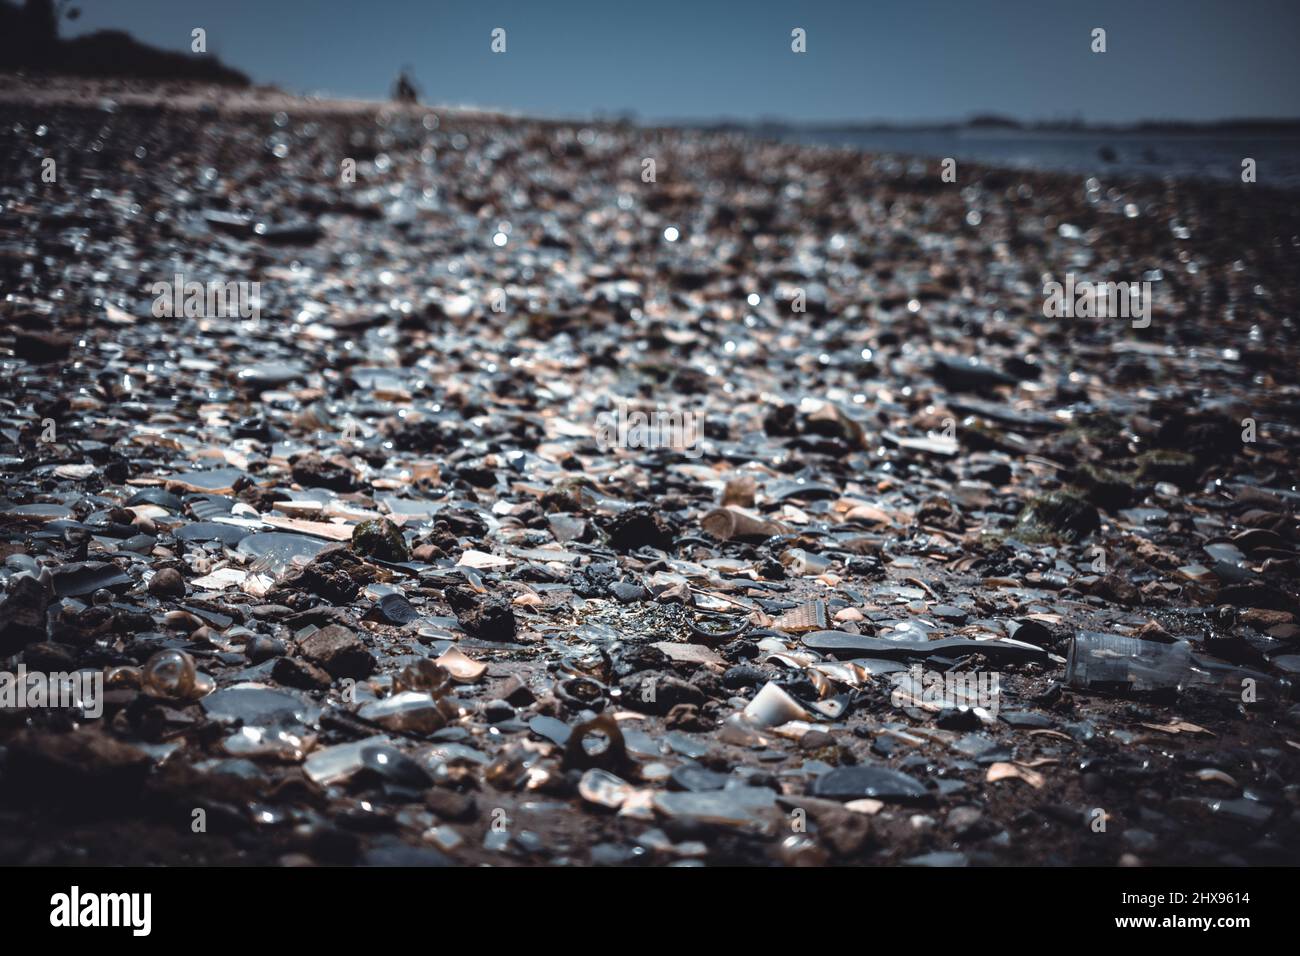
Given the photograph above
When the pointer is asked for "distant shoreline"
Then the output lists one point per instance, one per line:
(1253, 127)
(1189, 152)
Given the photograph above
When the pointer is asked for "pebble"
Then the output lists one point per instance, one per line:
(338, 651)
(167, 582)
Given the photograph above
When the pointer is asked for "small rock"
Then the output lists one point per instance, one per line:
(39, 347)
(50, 656)
(167, 582)
(515, 691)
(22, 613)
(451, 804)
(658, 694)
(338, 651)
(261, 648)
(639, 527)
(313, 471)
(627, 592)
(743, 675)
(495, 711)
(968, 375)
(86, 767)
(295, 672)
(487, 617)
(1057, 515)
(685, 717)
(380, 538)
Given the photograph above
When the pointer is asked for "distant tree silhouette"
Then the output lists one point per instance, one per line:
(29, 41)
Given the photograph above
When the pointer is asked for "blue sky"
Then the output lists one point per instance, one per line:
(901, 60)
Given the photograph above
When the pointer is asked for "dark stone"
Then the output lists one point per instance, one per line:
(297, 233)
(1117, 590)
(50, 656)
(452, 805)
(1105, 488)
(1057, 515)
(628, 593)
(685, 717)
(261, 648)
(943, 858)
(330, 844)
(869, 780)
(743, 675)
(515, 691)
(396, 609)
(335, 574)
(968, 375)
(167, 582)
(22, 613)
(338, 651)
(86, 768)
(994, 472)
(393, 766)
(844, 832)
(39, 347)
(313, 471)
(380, 538)
(495, 711)
(957, 718)
(666, 693)
(490, 618)
(156, 496)
(255, 427)
(639, 527)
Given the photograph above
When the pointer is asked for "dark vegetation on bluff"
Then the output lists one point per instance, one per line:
(30, 42)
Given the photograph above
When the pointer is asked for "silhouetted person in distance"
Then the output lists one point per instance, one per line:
(404, 90)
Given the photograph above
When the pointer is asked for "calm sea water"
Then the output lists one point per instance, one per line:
(1189, 156)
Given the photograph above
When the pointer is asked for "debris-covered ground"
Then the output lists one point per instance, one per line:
(374, 574)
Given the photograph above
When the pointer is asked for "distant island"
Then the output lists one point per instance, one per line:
(989, 121)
